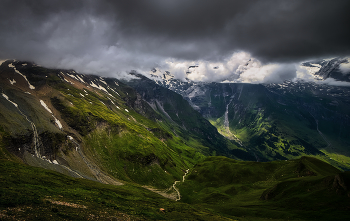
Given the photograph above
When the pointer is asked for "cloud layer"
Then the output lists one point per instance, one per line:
(110, 37)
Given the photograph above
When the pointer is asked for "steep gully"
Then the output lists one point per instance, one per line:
(98, 174)
(35, 132)
(322, 135)
(227, 124)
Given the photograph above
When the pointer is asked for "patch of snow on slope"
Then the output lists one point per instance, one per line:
(312, 70)
(113, 90)
(12, 82)
(24, 64)
(48, 109)
(316, 65)
(126, 110)
(30, 86)
(72, 76)
(7, 98)
(58, 122)
(100, 87)
(45, 106)
(80, 79)
(101, 79)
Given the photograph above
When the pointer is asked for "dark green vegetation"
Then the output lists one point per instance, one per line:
(305, 188)
(217, 188)
(185, 122)
(278, 121)
(30, 193)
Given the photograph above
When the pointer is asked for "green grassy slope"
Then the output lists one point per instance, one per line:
(184, 121)
(282, 121)
(106, 129)
(30, 193)
(306, 189)
(133, 134)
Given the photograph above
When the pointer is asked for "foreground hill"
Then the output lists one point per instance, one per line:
(306, 188)
(217, 188)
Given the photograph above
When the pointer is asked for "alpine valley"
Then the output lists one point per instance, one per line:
(84, 147)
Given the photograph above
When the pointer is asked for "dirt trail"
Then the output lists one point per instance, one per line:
(174, 185)
(169, 192)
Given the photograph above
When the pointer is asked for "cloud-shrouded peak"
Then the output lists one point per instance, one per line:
(239, 67)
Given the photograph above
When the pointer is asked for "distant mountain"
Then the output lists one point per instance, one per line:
(330, 68)
(276, 121)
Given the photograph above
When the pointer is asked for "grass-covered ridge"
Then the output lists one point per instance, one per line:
(305, 188)
(30, 193)
(218, 188)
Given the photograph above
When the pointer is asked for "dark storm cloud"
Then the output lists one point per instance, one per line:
(108, 35)
(270, 30)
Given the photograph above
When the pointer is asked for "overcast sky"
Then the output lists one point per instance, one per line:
(108, 37)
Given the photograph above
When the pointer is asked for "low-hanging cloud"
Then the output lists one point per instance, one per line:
(111, 37)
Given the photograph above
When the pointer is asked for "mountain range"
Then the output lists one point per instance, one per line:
(76, 146)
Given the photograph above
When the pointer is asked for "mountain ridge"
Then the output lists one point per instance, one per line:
(113, 141)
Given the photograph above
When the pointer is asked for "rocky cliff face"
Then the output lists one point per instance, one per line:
(336, 68)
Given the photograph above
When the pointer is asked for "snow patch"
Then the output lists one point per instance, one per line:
(27, 92)
(24, 64)
(72, 76)
(100, 87)
(30, 86)
(80, 79)
(113, 90)
(316, 65)
(58, 123)
(12, 82)
(7, 98)
(45, 106)
(55, 162)
(126, 110)
(101, 79)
